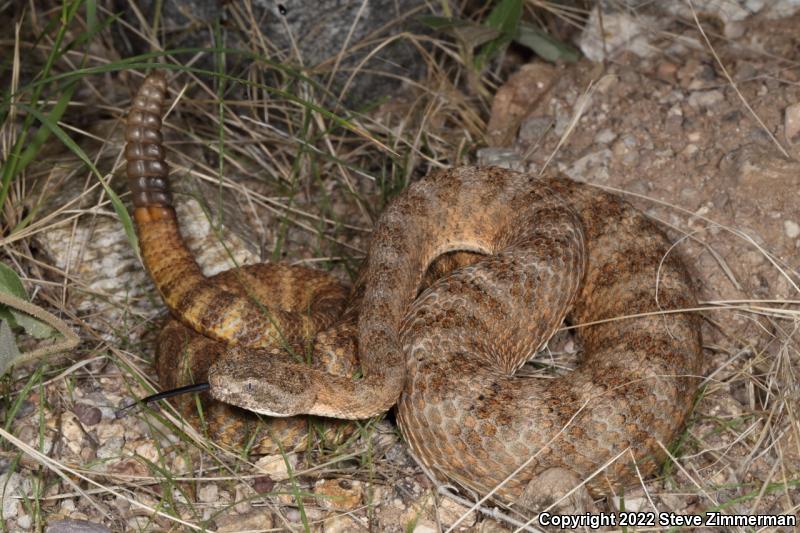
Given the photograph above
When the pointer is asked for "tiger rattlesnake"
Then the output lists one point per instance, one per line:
(539, 249)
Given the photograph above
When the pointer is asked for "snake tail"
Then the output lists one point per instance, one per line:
(164, 252)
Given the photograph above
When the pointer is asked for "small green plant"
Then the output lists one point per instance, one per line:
(501, 27)
(17, 314)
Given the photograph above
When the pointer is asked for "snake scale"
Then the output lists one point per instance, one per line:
(469, 272)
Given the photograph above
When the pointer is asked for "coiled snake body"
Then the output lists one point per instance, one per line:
(538, 249)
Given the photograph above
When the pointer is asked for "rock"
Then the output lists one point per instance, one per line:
(591, 167)
(141, 523)
(312, 514)
(619, 32)
(451, 512)
(12, 487)
(263, 484)
(549, 488)
(147, 450)
(89, 415)
(630, 503)
(501, 157)
(605, 136)
(731, 13)
(515, 99)
(533, 129)
(108, 430)
(255, 520)
(276, 467)
(341, 523)
(338, 494)
(492, 526)
(791, 124)
(26, 407)
(110, 448)
(72, 432)
(792, 228)
(243, 505)
(319, 35)
(75, 526)
(24, 521)
(208, 493)
(425, 526)
(706, 99)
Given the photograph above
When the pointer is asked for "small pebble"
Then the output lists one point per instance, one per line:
(792, 228)
(242, 505)
(254, 520)
(147, 450)
(75, 526)
(666, 71)
(26, 407)
(338, 494)
(451, 512)
(110, 448)
(605, 136)
(491, 526)
(72, 432)
(706, 99)
(630, 504)
(791, 123)
(263, 484)
(425, 526)
(24, 521)
(341, 523)
(208, 493)
(89, 415)
(14, 486)
(275, 466)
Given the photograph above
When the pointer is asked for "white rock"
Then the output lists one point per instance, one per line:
(619, 32)
(792, 228)
(425, 526)
(341, 523)
(791, 124)
(275, 466)
(24, 521)
(208, 493)
(13, 486)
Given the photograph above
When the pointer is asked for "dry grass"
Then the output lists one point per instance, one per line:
(308, 175)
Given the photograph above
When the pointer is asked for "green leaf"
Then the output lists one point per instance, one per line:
(545, 46)
(476, 34)
(470, 33)
(41, 135)
(10, 282)
(9, 352)
(5, 314)
(505, 18)
(440, 23)
(32, 326)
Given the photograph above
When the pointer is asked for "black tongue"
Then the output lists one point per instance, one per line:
(163, 395)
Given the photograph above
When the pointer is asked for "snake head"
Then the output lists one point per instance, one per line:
(247, 378)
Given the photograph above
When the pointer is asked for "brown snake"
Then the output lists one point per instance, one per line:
(540, 250)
